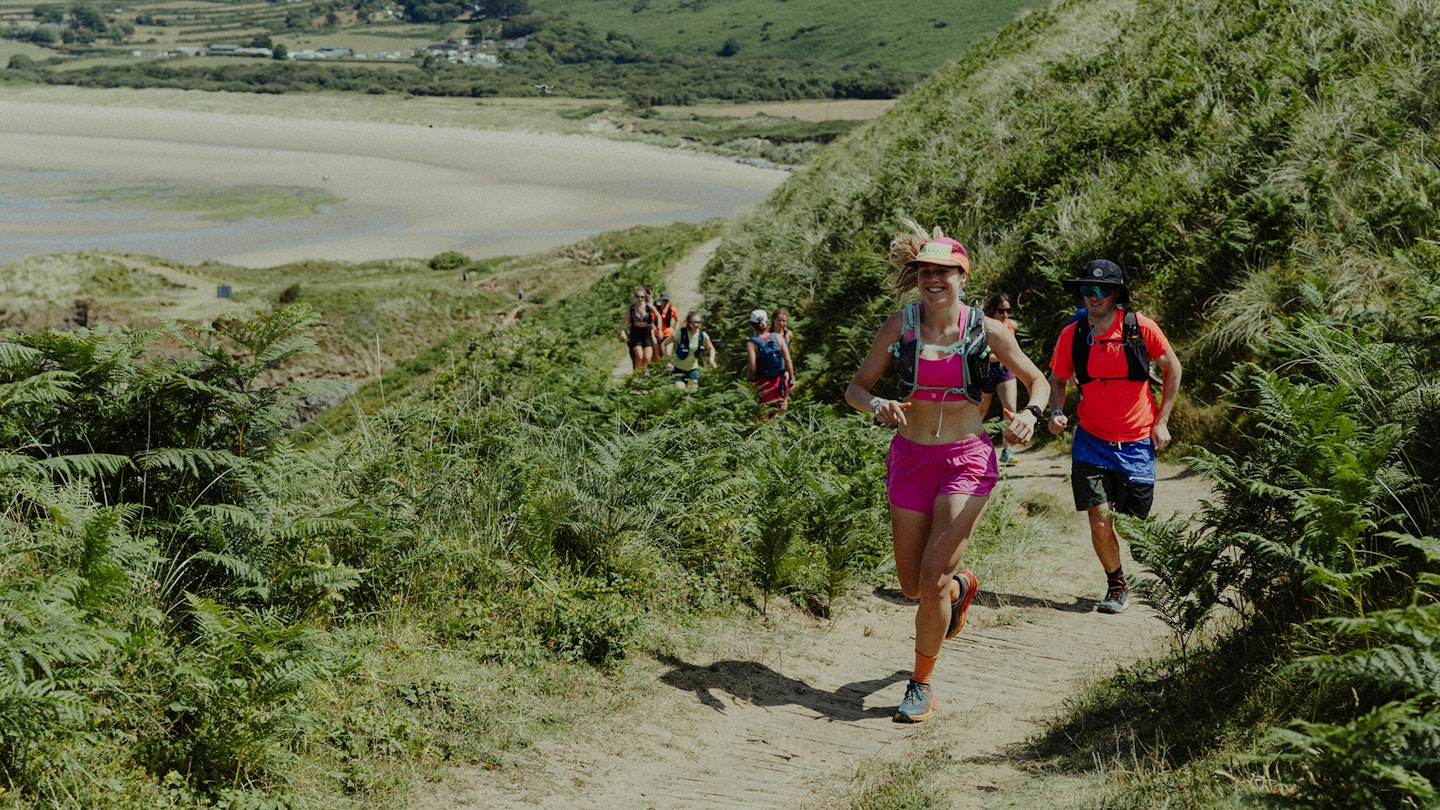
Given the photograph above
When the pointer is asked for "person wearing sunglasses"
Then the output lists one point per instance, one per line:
(1107, 351)
(941, 466)
(684, 348)
(1003, 379)
(638, 329)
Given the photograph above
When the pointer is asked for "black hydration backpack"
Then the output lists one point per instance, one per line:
(682, 347)
(1136, 355)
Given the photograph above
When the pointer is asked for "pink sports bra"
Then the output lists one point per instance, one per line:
(946, 373)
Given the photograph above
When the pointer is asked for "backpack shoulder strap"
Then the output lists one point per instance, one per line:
(909, 328)
(1137, 354)
(1079, 353)
(975, 348)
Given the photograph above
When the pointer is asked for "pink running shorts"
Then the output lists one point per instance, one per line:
(916, 473)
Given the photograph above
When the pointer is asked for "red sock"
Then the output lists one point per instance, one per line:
(924, 665)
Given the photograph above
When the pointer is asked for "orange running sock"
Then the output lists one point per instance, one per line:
(924, 665)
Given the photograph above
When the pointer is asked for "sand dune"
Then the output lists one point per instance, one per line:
(405, 190)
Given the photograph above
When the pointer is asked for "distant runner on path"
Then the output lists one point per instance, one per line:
(686, 346)
(770, 367)
(941, 467)
(1107, 350)
(638, 329)
(1003, 379)
(666, 325)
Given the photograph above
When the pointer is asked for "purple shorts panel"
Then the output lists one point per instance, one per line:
(915, 474)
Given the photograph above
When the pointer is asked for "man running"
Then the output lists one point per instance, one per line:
(1108, 351)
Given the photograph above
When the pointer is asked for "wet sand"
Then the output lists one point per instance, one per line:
(405, 190)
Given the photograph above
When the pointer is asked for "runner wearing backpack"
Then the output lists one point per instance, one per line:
(686, 346)
(1107, 351)
(665, 327)
(638, 329)
(770, 368)
(941, 467)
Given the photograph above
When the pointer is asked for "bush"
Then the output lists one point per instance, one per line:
(450, 261)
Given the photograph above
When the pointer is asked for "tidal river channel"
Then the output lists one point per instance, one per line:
(256, 191)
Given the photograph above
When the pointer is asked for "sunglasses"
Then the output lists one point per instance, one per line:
(638, 295)
(1096, 291)
(695, 323)
(1005, 311)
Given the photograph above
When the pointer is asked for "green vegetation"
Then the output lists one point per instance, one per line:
(1264, 173)
(206, 614)
(660, 53)
(227, 205)
(240, 622)
(867, 31)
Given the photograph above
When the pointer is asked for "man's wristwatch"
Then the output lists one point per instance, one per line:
(1057, 412)
(1035, 409)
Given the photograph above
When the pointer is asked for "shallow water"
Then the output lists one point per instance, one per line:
(50, 212)
(402, 191)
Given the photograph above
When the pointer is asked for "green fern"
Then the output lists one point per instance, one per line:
(1389, 757)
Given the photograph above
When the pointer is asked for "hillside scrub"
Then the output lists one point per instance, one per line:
(1247, 164)
(207, 616)
(1264, 173)
(294, 626)
(652, 53)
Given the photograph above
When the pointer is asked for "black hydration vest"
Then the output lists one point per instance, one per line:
(1136, 355)
(973, 344)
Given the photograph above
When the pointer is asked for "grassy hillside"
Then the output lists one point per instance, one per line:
(1265, 173)
(1222, 156)
(650, 54)
(856, 33)
(205, 615)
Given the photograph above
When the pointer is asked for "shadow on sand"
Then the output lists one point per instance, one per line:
(989, 599)
(760, 685)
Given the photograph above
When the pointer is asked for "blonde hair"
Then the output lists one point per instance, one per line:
(904, 247)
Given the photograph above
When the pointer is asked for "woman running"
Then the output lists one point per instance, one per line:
(941, 467)
(639, 330)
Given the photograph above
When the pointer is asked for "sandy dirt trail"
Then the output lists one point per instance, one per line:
(785, 719)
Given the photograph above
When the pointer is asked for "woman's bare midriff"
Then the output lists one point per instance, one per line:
(961, 421)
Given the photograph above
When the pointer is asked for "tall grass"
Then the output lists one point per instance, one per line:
(1263, 172)
(1199, 146)
(247, 609)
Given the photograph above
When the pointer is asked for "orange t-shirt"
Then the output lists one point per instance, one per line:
(1114, 410)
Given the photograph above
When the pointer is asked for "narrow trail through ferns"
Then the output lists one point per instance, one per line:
(794, 712)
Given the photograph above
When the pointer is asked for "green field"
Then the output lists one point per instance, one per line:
(665, 52)
(888, 32)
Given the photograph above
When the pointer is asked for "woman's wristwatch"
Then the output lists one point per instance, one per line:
(1035, 409)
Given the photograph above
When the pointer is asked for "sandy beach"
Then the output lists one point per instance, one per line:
(404, 190)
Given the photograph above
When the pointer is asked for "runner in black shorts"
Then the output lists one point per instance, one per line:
(638, 330)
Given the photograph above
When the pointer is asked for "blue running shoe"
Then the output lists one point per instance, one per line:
(1116, 599)
(918, 705)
